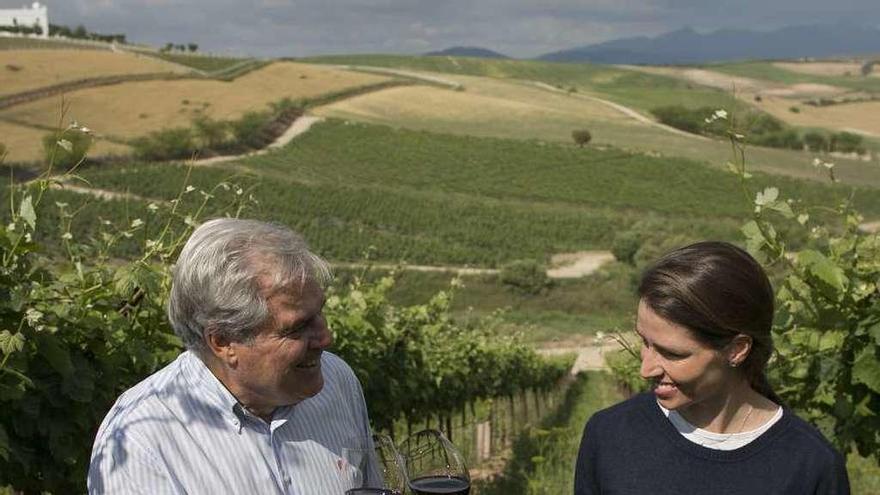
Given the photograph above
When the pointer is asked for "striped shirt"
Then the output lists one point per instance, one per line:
(181, 431)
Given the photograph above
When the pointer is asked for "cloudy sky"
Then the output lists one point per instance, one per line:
(519, 28)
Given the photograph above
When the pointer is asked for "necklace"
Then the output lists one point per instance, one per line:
(745, 420)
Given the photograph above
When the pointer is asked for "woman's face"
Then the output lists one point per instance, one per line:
(685, 371)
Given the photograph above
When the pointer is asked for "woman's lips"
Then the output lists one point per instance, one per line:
(665, 390)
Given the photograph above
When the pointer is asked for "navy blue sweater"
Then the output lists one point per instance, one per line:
(633, 448)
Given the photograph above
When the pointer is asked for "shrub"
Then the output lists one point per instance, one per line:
(525, 276)
(846, 142)
(66, 149)
(794, 109)
(581, 137)
(210, 133)
(167, 144)
(248, 130)
(681, 118)
(816, 141)
(625, 246)
(779, 139)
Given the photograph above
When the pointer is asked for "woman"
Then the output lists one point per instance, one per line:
(712, 423)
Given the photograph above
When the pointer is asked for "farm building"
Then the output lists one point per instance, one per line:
(36, 15)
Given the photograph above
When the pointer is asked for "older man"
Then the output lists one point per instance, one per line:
(255, 405)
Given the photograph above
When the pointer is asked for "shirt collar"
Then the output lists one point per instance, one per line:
(208, 385)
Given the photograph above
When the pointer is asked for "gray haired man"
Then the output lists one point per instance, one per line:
(255, 404)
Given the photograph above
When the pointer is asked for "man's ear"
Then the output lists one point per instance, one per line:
(738, 350)
(221, 348)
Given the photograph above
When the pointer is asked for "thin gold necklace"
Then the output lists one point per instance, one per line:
(745, 420)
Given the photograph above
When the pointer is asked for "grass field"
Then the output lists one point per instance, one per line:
(440, 199)
(24, 70)
(486, 107)
(631, 88)
(134, 109)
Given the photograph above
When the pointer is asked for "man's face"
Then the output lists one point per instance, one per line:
(282, 365)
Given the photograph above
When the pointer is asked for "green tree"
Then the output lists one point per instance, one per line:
(581, 137)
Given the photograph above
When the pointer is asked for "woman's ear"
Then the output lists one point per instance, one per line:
(738, 350)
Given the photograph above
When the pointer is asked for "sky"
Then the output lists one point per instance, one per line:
(518, 28)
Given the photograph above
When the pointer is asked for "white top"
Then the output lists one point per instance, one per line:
(717, 441)
(181, 431)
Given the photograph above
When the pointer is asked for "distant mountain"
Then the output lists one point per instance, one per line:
(687, 46)
(468, 51)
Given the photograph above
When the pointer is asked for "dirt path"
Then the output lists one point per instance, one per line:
(574, 265)
(870, 227)
(590, 355)
(299, 126)
(564, 265)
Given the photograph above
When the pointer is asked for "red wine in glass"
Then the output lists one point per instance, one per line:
(436, 485)
(372, 491)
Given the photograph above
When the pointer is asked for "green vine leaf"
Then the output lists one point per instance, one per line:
(866, 369)
(824, 269)
(27, 213)
(11, 342)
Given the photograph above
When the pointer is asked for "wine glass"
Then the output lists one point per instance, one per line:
(372, 466)
(434, 465)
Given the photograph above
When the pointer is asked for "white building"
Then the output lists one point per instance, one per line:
(36, 15)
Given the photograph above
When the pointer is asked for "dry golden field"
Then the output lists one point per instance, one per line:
(23, 70)
(133, 109)
(863, 118)
(825, 68)
(486, 107)
(25, 144)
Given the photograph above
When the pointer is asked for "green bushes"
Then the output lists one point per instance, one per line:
(581, 137)
(761, 129)
(816, 141)
(525, 276)
(67, 148)
(167, 144)
(208, 137)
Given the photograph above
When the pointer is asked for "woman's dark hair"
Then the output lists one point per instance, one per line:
(717, 291)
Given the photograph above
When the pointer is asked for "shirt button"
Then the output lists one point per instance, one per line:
(286, 479)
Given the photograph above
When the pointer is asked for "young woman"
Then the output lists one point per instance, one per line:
(712, 424)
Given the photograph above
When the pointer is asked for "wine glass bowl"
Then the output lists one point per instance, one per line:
(434, 465)
(377, 466)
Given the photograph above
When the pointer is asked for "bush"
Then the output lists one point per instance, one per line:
(846, 142)
(625, 246)
(66, 149)
(581, 137)
(248, 130)
(816, 141)
(778, 139)
(210, 133)
(167, 144)
(525, 276)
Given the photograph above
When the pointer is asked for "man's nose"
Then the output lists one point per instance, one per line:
(649, 368)
(322, 338)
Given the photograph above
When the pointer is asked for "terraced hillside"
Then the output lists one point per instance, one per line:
(127, 110)
(518, 111)
(23, 70)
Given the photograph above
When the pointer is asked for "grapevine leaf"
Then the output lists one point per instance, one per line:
(10, 342)
(783, 208)
(767, 197)
(27, 213)
(866, 369)
(823, 269)
(57, 356)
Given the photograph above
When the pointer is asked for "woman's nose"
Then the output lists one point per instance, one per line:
(649, 368)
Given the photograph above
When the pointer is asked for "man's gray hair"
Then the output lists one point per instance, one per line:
(221, 277)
